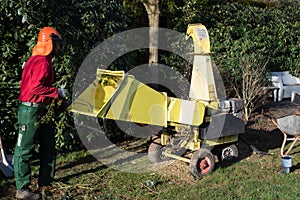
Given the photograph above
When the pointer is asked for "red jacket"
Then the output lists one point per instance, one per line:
(37, 79)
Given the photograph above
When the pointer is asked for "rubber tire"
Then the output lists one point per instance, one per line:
(229, 153)
(155, 152)
(202, 163)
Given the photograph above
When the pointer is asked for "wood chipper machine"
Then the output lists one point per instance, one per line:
(198, 130)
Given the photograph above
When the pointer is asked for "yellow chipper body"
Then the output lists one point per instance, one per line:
(193, 130)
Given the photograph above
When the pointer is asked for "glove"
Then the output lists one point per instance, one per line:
(68, 102)
(63, 105)
(62, 93)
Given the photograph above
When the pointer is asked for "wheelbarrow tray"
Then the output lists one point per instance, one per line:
(289, 126)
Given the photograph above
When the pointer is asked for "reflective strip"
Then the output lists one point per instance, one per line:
(20, 139)
(187, 112)
(31, 104)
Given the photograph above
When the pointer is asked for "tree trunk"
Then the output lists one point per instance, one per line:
(152, 8)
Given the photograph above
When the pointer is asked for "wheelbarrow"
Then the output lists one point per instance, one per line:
(6, 162)
(290, 128)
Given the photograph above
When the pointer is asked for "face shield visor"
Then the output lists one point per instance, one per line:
(58, 44)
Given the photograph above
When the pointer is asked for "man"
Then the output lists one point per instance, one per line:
(37, 91)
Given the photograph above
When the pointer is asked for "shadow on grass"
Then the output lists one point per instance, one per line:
(263, 141)
(295, 167)
(255, 141)
(295, 147)
(74, 175)
(7, 187)
(79, 161)
(135, 146)
(87, 160)
(110, 155)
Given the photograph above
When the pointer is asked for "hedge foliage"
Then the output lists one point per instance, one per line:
(238, 30)
(269, 32)
(82, 24)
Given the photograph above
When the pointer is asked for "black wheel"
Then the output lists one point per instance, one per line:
(229, 153)
(156, 152)
(202, 163)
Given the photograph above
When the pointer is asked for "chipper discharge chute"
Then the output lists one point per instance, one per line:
(194, 130)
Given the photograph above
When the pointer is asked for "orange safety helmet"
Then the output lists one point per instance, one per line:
(44, 44)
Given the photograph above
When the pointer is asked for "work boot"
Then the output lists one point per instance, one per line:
(27, 194)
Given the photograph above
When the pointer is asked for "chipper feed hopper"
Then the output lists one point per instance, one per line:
(199, 130)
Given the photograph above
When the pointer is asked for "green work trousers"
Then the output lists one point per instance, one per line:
(31, 132)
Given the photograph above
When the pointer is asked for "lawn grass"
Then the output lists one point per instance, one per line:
(254, 177)
(80, 176)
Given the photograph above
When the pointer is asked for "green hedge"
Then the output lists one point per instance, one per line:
(82, 24)
(239, 29)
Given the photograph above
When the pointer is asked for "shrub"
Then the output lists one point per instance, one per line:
(82, 24)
